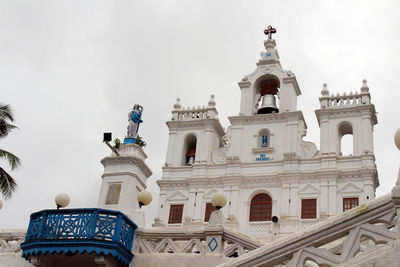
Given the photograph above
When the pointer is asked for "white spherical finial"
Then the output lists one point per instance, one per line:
(218, 200)
(62, 200)
(144, 198)
(397, 138)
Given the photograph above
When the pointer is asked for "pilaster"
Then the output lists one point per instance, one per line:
(294, 187)
(324, 198)
(332, 188)
(285, 200)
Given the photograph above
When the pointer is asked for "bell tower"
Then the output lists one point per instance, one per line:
(346, 114)
(267, 84)
(269, 126)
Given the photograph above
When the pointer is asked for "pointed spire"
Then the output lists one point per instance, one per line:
(178, 105)
(364, 87)
(325, 91)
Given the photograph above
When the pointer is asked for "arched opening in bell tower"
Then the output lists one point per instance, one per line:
(268, 92)
(346, 146)
(189, 150)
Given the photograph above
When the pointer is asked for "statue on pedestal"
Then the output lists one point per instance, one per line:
(134, 122)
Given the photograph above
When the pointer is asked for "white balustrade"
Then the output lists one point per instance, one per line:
(351, 99)
(10, 241)
(195, 113)
(178, 241)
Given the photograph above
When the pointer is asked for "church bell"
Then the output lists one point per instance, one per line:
(268, 105)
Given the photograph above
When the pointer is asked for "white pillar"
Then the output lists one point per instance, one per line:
(333, 139)
(324, 126)
(246, 99)
(324, 199)
(192, 199)
(162, 206)
(171, 149)
(206, 146)
(285, 200)
(367, 138)
(332, 197)
(369, 192)
(199, 204)
(234, 200)
(294, 187)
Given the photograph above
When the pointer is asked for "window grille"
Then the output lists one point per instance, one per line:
(349, 203)
(175, 214)
(308, 208)
(261, 208)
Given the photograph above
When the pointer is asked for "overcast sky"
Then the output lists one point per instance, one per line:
(72, 70)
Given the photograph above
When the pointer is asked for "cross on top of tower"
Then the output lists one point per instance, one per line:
(269, 31)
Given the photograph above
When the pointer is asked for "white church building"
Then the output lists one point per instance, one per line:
(261, 163)
(288, 203)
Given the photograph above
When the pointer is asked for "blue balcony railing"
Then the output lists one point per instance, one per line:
(80, 230)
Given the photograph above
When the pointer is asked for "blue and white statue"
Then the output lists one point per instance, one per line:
(134, 122)
(264, 141)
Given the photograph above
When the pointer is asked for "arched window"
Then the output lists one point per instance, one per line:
(263, 139)
(261, 208)
(189, 150)
(268, 88)
(346, 146)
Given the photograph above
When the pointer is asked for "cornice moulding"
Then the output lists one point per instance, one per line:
(344, 111)
(285, 116)
(109, 161)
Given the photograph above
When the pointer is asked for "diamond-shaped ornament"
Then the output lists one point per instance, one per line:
(213, 244)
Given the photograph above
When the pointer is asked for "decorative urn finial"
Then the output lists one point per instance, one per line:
(325, 91)
(177, 105)
(364, 87)
(211, 102)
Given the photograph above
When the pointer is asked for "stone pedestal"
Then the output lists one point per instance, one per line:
(124, 177)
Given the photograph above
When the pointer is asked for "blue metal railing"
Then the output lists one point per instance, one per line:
(80, 230)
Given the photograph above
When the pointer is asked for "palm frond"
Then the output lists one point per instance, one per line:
(6, 112)
(5, 128)
(13, 160)
(7, 184)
